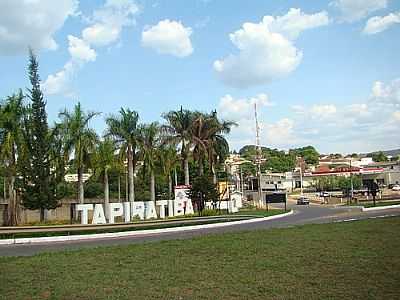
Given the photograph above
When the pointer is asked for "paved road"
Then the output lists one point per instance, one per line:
(302, 215)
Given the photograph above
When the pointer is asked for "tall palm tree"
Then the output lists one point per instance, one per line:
(179, 128)
(79, 139)
(169, 160)
(104, 160)
(11, 115)
(209, 141)
(124, 129)
(149, 144)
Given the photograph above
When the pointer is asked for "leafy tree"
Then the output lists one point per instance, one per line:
(125, 130)
(79, 139)
(310, 155)
(203, 190)
(379, 157)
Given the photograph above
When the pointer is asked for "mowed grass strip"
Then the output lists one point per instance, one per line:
(353, 260)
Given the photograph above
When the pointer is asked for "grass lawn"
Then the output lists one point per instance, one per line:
(354, 260)
(379, 203)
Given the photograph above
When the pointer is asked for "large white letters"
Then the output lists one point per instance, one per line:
(116, 210)
(98, 215)
(85, 209)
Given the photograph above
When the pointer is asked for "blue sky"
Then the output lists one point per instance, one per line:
(324, 73)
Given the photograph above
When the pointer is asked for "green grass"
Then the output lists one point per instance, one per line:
(355, 260)
(378, 203)
(243, 214)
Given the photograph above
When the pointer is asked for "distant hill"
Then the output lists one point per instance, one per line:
(393, 152)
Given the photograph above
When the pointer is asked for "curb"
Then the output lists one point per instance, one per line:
(380, 207)
(136, 232)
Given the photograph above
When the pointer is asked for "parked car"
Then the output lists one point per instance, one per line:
(303, 201)
(396, 187)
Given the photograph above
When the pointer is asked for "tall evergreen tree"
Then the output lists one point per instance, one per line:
(40, 186)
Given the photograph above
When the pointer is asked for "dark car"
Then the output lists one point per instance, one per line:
(303, 201)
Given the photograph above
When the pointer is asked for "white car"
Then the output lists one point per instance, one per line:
(396, 188)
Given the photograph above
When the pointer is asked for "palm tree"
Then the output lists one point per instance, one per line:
(149, 144)
(124, 129)
(169, 160)
(209, 141)
(104, 160)
(79, 139)
(11, 115)
(179, 128)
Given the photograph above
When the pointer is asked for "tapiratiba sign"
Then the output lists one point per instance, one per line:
(103, 214)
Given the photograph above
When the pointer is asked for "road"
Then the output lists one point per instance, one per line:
(312, 214)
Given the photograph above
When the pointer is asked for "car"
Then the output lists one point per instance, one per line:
(396, 187)
(303, 201)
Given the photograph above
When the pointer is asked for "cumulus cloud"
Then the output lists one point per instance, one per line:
(367, 125)
(80, 50)
(386, 94)
(32, 23)
(266, 49)
(105, 27)
(168, 37)
(378, 24)
(354, 10)
(242, 108)
(108, 21)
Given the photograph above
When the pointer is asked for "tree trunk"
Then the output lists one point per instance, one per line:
(42, 218)
(152, 186)
(81, 194)
(186, 166)
(214, 173)
(169, 187)
(176, 176)
(12, 203)
(106, 192)
(201, 167)
(5, 189)
(130, 175)
(119, 187)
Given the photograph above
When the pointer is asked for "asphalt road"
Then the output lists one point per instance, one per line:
(312, 214)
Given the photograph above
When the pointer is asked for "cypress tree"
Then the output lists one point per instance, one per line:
(39, 187)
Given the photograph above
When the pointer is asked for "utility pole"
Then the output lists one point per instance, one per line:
(351, 183)
(258, 155)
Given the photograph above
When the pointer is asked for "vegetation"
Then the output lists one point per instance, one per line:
(277, 160)
(332, 183)
(329, 261)
(379, 157)
(36, 157)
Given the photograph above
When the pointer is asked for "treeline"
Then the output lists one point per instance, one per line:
(277, 160)
(139, 160)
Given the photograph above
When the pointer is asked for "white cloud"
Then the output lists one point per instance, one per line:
(396, 116)
(386, 94)
(378, 24)
(80, 50)
(237, 109)
(322, 111)
(108, 21)
(59, 82)
(354, 10)
(168, 37)
(266, 49)
(32, 23)
(106, 24)
(281, 134)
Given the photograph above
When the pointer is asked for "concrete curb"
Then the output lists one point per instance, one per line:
(380, 207)
(136, 232)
